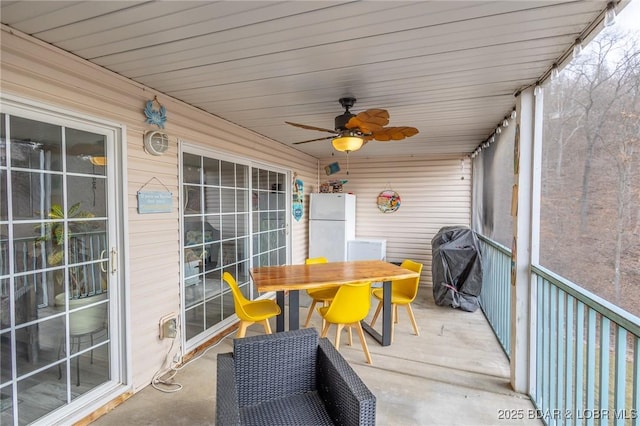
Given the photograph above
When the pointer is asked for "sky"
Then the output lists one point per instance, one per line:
(629, 17)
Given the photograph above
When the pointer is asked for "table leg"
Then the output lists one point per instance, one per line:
(385, 338)
(294, 309)
(280, 318)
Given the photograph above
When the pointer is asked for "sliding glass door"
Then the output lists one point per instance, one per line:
(56, 236)
(234, 216)
(269, 213)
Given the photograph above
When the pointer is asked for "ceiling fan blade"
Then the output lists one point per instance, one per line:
(313, 140)
(370, 120)
(305, 126)
(394, 133)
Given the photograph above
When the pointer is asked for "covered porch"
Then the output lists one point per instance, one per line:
(458, 371)
(467, 74)
(454, 373)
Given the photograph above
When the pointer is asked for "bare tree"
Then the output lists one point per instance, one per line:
(624, 154)
(603, 83)
(592, 121)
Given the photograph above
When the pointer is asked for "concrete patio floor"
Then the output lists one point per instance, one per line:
(454, 373)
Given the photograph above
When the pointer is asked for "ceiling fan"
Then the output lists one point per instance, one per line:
(352, 131)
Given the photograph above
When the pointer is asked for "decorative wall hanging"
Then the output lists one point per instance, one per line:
(332, 168)
(155, 116)
(388, 201)
(298, 199)
(155, 201)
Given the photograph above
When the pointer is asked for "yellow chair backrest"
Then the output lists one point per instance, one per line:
(314, 260)
(408, 286)
(238, 298)
(351, 304)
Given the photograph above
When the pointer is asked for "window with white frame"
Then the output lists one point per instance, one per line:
(234, 217)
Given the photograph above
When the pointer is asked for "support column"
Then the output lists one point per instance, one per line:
(525, 208)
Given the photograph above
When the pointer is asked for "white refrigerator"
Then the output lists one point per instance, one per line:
(332, 223)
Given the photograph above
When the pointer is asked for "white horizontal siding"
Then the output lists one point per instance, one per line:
(36, 71)
(434, 192)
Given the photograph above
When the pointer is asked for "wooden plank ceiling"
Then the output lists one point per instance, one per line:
(448, 68)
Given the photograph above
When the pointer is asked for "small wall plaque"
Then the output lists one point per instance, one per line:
(155, 202)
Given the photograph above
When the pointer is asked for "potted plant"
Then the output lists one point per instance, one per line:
(72, 244)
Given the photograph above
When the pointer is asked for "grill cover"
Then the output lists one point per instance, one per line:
(456, 268)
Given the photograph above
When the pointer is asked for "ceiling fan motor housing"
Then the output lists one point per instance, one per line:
(342, 120)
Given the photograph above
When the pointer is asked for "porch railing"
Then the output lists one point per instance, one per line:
(587, 356)
(586, 352)
(495, 299)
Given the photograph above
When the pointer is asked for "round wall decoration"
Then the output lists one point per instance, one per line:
(388, 201)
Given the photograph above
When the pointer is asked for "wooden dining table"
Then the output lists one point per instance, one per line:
(290, 279)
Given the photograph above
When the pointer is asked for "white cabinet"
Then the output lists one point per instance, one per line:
(365, 249)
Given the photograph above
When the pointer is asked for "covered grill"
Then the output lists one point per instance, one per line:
(456, 268)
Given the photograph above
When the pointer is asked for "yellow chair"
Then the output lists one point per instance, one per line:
(251, 311)
(349, 306)
(403, 292)
(324, 295)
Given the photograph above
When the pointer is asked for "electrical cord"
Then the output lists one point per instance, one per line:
(158, 377)
(161, 378)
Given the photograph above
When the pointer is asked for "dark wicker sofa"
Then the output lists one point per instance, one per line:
(290, 378)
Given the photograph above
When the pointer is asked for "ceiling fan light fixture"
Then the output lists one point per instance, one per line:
(347, 143)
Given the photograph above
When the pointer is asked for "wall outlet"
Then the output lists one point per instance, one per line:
(168, 326)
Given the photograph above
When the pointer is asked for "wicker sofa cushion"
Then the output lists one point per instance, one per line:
(287, 411)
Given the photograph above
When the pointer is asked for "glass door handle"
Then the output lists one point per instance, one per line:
(114, 257)
(102, 268)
